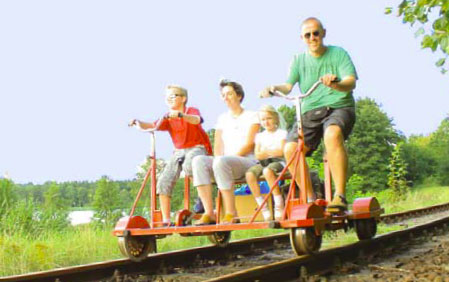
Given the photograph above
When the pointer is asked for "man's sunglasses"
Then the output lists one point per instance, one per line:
(316, 33)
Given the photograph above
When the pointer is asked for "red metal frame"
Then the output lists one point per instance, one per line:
(297, 212)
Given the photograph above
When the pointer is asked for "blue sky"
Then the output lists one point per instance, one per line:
(72, 73)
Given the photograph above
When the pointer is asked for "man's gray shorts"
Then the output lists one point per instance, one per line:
(181, 159)
(315, 123)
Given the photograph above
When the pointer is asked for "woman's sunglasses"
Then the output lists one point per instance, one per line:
(316, 33)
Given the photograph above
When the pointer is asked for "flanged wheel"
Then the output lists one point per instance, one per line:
(220, 239)
(305, 241)
(365, 228)
(136, 248)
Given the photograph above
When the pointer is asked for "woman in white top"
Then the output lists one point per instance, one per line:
(269, 151)
(233, 154)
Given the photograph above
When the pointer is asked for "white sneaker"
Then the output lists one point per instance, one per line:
(266, 214)
(278, 211)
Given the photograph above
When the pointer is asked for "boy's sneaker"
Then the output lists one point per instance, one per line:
(338, 204)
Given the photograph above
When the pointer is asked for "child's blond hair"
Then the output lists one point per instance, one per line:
(182, 89)
(272, 111)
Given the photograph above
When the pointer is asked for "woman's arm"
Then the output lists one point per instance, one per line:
(248, 147)
(218, 143)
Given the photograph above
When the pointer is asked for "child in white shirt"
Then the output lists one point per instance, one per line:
(269, 151)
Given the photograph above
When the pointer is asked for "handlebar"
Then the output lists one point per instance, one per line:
(300, 96)
(292, 98)
(155, 128)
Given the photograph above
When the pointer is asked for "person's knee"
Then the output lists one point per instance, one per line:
(219, 163)
(250, 177)
(198, 161)
(333, 136)
(267, 172)
(290, 148)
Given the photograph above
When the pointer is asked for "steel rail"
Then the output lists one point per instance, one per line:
(327, 260)
(157, 263)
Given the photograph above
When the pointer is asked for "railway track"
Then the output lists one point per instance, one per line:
(176, 263)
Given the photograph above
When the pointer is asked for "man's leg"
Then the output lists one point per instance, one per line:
(337, 157)
(289, 151)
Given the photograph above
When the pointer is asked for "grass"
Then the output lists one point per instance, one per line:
(23, 253)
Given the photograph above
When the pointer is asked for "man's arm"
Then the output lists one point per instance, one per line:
(249, 144)
(347, 84)
(285, 88)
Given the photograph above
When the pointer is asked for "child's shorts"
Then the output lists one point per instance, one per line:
(274, 164)
(181, 159)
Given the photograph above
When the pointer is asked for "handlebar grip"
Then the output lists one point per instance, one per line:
(336, 80)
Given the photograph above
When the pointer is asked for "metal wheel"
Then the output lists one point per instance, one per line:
(305, 241)
(220, 239)
(137, 248)
(365, 228)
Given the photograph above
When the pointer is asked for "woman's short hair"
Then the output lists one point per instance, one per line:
(272, 111)
(235, 85)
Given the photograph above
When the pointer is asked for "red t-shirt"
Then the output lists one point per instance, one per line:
(184, 134)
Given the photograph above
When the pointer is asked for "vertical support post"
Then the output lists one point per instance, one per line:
(187, 192)
(327, 180)
(153, 180)
(218, 205)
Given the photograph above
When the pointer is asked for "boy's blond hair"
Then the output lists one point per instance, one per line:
(182, 89)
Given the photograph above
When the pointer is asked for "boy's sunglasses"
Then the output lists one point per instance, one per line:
(173, 96)
(316, 33)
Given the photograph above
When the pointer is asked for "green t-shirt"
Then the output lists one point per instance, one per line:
(306, 70)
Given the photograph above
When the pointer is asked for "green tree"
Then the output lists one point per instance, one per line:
(143, 168)
(397, 171)
(428, 12)
(211, 134)
(289, 115)
(420, 159)
(370, 145)
(106, 200)
(439, 144)
(54, 199)
(7, 197)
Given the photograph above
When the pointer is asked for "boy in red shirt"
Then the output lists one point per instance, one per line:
(184, 125)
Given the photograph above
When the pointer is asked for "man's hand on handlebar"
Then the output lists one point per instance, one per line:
(329, 80)
(267, 92)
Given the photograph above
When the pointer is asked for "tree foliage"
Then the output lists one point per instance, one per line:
(107, 200)
(370, 144)
(54, 199)
(397, 172)
(439, 144)
(423, 12)
(7, 197)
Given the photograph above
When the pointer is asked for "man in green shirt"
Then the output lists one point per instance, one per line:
(329, 112)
